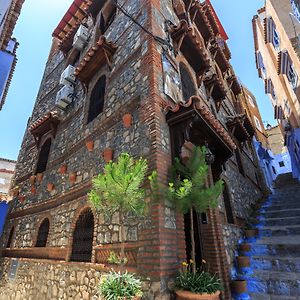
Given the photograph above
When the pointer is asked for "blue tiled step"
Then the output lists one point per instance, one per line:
(269, 263)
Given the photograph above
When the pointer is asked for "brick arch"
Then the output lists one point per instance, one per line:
(44, 139)
(39, 222)
(13, 225)
(78, 213)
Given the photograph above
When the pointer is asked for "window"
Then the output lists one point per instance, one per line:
(107, 16)
(260, 65)
(281, 164)
(42, 236)
(251, 101)
(83, 237)
(227, 203)
(257, 123)
(274, 170)
(10, 237)
(287, 108)
(43, 156)
(271, 34)
(287, 68)
(97, 99)
(278, 113)
(188, 86)
(269, 88)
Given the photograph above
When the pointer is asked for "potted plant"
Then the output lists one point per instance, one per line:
(107, 155)
(33, 189)
(243, 262)
(197, 285)
(90, 145)
(50, 187)
(127, 120)
(117, 285)
(39, 177)
(72, 177)
(239, 288)
(32, 179)
(118, 190)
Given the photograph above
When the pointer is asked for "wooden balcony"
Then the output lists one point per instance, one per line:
(237, 128)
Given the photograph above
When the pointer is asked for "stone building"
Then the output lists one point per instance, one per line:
(166, 65)
(276, 37)
(9, 13)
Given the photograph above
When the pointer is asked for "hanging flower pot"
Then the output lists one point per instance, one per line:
(245, 247)
(72, 177)
(39, 177)
(33, 190)
(22, 199)
(127, 120)
(250, 233)
(90, 145)
(243, 261)
(32, 179)
(50, 187)
(63, 169)
(239, 287)
(187, 295)
(107, 155)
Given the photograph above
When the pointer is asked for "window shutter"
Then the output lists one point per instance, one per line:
(269, 86)
(284, 62)
(269, 29)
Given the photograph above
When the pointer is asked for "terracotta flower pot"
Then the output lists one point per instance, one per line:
(50, 187)
(21, 198)
(33, 190)
(63, 169)
(127, 120)
(186, 295)
(243, 261)
(250, 233)
(245, 247)
(239, 286)
(90, 145)
(39, 177)
(107, 155)
(72, 177)
(32, 179)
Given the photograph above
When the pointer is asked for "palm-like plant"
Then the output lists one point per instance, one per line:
(118, 189)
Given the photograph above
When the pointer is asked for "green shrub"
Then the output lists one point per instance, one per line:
(117, 285)
(199, 283)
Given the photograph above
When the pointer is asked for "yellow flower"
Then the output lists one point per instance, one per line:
(204, 261)
(184, 264)
(191, 261)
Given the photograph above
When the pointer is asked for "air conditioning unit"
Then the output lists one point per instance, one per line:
(65, 96)
(81, 37)
(68, 76)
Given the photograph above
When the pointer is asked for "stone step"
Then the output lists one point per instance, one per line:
(275, 283)
(282, 206)
(282, 240)
(282, 221)
(279, 230)
(275, 250)
(278, 264)
(255, 296)
(281, 213)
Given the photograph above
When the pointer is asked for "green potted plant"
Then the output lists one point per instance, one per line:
(117, 286)
(189, 192)
(118, 190)
(196, 285)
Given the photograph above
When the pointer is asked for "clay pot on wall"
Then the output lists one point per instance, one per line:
(39, 177)
(243, 261)
(250, 233)
(22, 199)
(244, 247)
(127, 120)
(72, 177)
(50, 187)
(107, 155)
(33, 190)
(89, 145)
(32, 179)
(186, 295)
(63, 169)
(239, 287)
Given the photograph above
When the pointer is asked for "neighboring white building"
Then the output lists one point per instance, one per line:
(7, 169)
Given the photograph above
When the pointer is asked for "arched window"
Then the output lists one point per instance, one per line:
(107, 16)
(188, 86)
(97, 99)
(227, 203)
(43, 234)
(10, 237)
(83, 237)
(43, 156)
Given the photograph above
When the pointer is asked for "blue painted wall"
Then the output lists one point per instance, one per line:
(3, 213)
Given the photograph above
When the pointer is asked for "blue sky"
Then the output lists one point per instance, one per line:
(36, 24)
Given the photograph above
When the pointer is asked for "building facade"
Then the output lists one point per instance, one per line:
(167, 66)
(7, 168)
(9, 13)
(276, 35)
